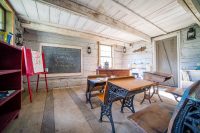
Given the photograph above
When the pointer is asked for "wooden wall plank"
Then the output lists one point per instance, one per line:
(54, 15)
(96, 16)
(64, 17)
(43, 11)
(31, 9)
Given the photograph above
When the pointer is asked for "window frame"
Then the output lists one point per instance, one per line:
(4, 18)
(106, 56)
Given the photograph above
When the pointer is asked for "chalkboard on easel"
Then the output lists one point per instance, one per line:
(62, 59)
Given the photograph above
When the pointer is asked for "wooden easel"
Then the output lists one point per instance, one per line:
(27, 69)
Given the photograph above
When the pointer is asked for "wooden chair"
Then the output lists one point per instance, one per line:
(158, 118)
(106, 104)
(97, 89)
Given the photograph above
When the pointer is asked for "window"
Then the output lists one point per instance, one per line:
(2, 18)
(105, 55)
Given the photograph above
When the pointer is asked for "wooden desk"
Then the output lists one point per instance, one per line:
(123, 89)
(158, 78)
(132, 84)
(126, 89)
(114, 72)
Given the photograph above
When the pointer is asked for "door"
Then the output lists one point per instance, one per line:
(166, 59)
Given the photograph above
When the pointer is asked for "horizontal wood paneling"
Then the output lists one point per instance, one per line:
(144, 57)
(33, 39)
(190, 50)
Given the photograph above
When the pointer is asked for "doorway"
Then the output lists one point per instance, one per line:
(167, 58)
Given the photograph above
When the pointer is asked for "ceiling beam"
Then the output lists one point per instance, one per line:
(192, 7)
(67, 32)
(96, 16)
(129, 11)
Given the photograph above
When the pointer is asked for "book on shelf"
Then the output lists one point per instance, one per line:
(7, 93)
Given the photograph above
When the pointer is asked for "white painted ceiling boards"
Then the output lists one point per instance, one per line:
(151, 17)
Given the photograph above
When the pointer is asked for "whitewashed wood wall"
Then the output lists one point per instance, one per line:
(189, 56)
(190, 50)
(144, 57)
(33, 39)
(189, 53)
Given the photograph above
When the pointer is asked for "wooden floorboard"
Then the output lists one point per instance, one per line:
(65, 111)
(88, 114)
(48, 122)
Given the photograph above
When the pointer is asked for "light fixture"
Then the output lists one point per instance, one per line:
(89, 51)
(124, 49)
(191, 34)
(18, 39)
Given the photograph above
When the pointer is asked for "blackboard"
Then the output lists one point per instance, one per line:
(62, 59)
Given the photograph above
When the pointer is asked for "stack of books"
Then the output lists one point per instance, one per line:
(4, 94)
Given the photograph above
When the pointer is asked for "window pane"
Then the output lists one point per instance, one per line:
(1, 19)
(105, 55)
(104, 59)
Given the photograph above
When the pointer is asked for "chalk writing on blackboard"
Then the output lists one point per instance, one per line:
(62, 59)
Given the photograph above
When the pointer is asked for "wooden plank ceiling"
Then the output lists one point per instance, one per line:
(150, 17)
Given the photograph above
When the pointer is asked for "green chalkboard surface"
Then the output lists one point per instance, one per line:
(62, 59)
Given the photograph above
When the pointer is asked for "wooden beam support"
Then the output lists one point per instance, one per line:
(95, 16)
(68, 32)
(192, 7)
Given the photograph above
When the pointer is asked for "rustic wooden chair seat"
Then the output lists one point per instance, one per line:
(154, 118)
(101, 97)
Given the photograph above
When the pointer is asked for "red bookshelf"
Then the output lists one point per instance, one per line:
(3, 72)
(10, 79)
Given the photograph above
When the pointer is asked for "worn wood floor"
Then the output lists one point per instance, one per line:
(65, 111)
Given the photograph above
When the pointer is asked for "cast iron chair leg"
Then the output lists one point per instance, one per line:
(86, 96)
(89, 99)
(128, 102)
(112, 123)
(101, 114)
(106, 110)
(122, 107)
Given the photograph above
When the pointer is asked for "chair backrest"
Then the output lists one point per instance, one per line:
(186, 117)
(107, 87)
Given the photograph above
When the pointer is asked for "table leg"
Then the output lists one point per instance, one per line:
(147, 96)
(38, 78)
(157, 92)
(29, 88)
(107, 111)
(128, 102)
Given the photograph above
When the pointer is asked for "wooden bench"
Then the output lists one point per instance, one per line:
(176, 92)
(158, 118)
